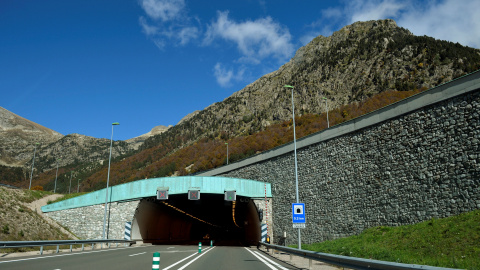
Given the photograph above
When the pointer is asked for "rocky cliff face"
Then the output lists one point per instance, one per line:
(136, 142)
(79, 149)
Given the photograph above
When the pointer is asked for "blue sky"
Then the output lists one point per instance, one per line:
(77, 66)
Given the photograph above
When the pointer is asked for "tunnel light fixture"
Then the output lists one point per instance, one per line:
(187, 214)
(162, 193)
(194, 194)
(230, 195)
(233, 214)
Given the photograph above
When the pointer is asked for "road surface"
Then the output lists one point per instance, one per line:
(171, 257)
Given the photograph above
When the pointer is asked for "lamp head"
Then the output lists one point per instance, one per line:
(288, 86)
(115, 124)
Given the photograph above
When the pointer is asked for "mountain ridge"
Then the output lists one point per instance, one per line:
(354, 63)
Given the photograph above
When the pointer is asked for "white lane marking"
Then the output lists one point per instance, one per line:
(137, 254)
(69, 254)
(270, 260)
(262, 260)
(178, 251)
(170, 266)
(170, 247)
(190, 262)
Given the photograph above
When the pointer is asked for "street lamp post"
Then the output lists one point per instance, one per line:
(56, 175)
(227, 152)
(33, 162)
(108, 178)
(70, 187)
(326, 109)
(296, 168)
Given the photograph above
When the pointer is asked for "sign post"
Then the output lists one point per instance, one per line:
(298, 215)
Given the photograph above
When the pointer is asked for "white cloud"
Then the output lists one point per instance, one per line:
(225, 76)
(447, 20)
(254, 39)
(442, 19)
(164, 10)
(186, 34)
(167, 22)
(374, 10)
(159, 43)
(148, 29)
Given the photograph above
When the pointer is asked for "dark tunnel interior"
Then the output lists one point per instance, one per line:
(182, 221)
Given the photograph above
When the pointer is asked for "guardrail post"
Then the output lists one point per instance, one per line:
(83, 247)
(41, 250)
(156, 261)
(71, 246)
(58, 247)
(93, 246)
(109, 245)
(309, 263)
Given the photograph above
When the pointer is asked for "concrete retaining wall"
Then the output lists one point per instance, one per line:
(87, 222)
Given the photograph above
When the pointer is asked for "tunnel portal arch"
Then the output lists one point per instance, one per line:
(183, 221)
(239, 218)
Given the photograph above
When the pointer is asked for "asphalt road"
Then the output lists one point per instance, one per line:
(137, 258)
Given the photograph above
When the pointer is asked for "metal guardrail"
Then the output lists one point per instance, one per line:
(9, 186)
(58, 243)
(351, 262)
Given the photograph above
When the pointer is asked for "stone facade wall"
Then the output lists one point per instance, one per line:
(267, 213)
(418, 166)
(87, 222)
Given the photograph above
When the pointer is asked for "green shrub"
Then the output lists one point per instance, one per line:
(5, 229)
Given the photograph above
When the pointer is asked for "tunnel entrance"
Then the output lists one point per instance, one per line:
(182, 221)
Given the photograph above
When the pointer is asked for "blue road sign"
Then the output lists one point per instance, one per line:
(298, 212)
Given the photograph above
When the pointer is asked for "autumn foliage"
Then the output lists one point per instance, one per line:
(37, 188)
(207, 153)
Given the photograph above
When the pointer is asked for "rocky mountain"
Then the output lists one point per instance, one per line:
(138, 141)
(352, 64)
(18, 137)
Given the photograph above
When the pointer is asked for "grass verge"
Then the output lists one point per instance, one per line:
(67, 196)
(452, 242)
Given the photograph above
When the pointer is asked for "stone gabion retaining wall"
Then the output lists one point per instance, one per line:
(267, 213)
(418, 166)
(87, 222)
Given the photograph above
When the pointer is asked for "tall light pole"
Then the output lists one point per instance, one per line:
(227, 152)
(108, 178)
(296, 169)
(326, 109)
(56, 176)
(33, 162)
(70, 187)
